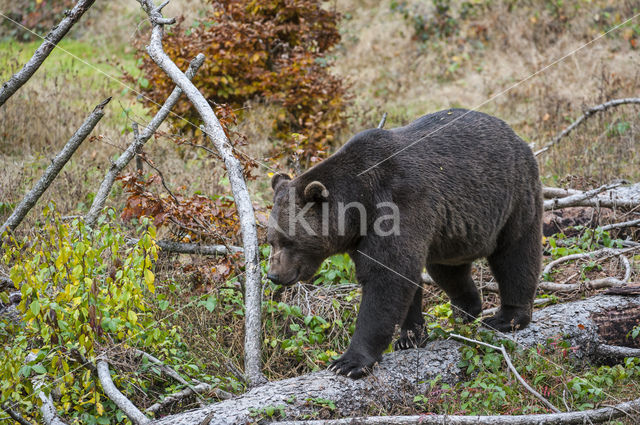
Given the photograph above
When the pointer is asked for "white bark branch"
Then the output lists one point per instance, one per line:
(617, 352)
(48, 411)
(54, 168)
(383, 120)
(120, 400)
(193, 248)
(410, 372)
(593, 416)
(589, 112)
(556, 192)
(56, 34)
(576, 199)
(134, 148)
(630, 223)
(215, 132)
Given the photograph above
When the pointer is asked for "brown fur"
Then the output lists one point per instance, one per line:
(468, 190)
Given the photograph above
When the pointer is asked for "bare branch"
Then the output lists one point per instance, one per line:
(576, 199)
(594, 416)
(216, 134)
(631, 223)
(383, 120)
(599, 255)
(138, 142)
(504, 353)
(15, 416)
(123, 403)
(556, 192)
(56, 34)
(48, 410)
(589, 112)
(617, 352)
(192, 248)
(54, 168)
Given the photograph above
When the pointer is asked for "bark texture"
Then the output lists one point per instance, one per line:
(215, 132)
(56, 34)
(403, 374)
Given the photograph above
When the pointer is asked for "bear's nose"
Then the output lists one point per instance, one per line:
(273, 277)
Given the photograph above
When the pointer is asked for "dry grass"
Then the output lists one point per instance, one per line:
(393, 73)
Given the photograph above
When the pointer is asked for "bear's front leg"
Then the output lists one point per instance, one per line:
(384, 304)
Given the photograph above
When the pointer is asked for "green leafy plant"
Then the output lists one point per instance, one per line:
(85, 293)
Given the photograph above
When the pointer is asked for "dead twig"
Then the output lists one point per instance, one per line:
(589, 112)
(126, 156)
(56, 34)
(216, 134)
(54, 168)
(383, 120)
(504, 353)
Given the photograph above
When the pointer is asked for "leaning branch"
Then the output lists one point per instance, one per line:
(216, 134)
(589, 112)
(123, 403)
(136, 145)
(56, 34)
(54, 168)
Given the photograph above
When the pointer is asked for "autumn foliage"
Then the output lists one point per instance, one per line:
(271, 51)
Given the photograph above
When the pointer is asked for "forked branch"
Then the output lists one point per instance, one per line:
(216, 134)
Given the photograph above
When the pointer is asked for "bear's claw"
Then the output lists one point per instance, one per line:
(351, 366)
(410, 339)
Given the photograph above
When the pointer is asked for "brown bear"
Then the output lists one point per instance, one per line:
(450, 187)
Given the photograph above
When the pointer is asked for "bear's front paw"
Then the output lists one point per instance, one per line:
(410, 338)
(353, 365)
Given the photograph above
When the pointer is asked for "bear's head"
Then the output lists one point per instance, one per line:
(297, 230)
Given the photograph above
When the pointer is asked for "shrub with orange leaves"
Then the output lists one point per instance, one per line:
(269, 50)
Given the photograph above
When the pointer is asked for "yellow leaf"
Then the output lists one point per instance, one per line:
(149, 278)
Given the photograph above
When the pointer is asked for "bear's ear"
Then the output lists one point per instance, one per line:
(315, 192)
(278, 179)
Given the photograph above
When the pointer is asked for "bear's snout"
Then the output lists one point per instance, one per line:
(274, 277)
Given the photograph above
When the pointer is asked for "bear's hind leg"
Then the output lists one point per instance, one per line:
(412, 330)
(457, 283)
(516, 267)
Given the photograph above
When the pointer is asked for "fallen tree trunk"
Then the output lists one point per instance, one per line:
(401, 375)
